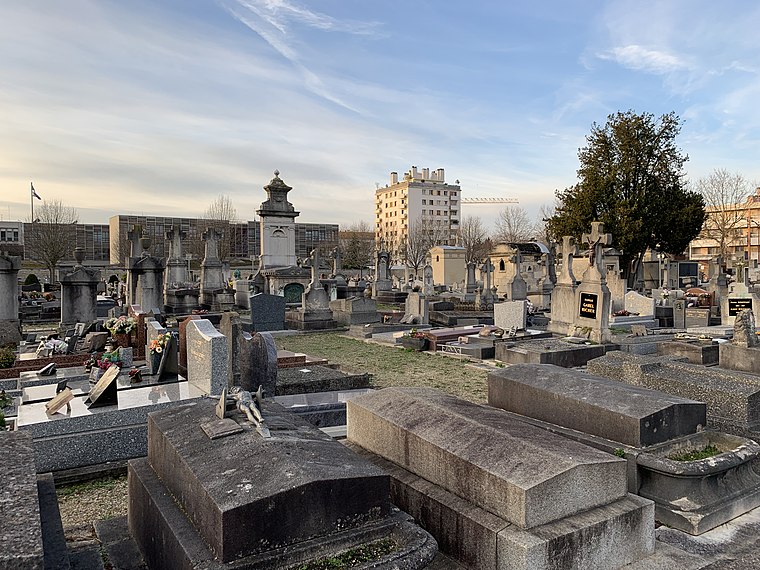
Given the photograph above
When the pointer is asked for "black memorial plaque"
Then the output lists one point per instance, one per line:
(736, 305)
(588, 305)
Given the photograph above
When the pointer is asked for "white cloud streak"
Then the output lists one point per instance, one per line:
(640, 58)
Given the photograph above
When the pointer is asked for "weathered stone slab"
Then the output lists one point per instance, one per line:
(696, 352)
(297, 485)
(206, 357)
(511, 314)
(20, 530)
(604, 537)
(260, 365)
(547, 351)
(521, 473)
(732, 398)
(637, 303)
(267, 312)
(590, 404)
(741, 358)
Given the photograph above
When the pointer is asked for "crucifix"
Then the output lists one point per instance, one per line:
(597, 240)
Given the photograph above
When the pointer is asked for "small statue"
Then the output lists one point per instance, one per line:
(250, 405)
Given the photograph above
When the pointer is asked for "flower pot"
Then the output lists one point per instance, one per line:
(414, 343)
(155, 362)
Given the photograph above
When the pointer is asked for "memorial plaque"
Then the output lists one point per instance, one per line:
(95, 373)
(61, 399)
(104, 392)
(697, 317)
(736, 305)
(588, 305)
(61, 386)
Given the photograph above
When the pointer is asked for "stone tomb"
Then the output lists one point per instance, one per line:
(548, 351)
(695, 351)
(511, 315)
(732, 398)
(649, 427)
(497, 492)
(355, 311)
(628, 414)
(202, 503)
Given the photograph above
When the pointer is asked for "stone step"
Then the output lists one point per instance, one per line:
(519, 472)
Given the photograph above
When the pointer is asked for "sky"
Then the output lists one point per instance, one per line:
(158, 107)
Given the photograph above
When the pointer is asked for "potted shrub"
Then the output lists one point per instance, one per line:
(121, 328)
(7, 357)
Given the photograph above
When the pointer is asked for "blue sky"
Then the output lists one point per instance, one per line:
(157, 107)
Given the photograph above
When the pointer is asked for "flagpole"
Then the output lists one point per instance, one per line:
(31, 198)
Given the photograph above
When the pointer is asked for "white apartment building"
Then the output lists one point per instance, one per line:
(422, 198)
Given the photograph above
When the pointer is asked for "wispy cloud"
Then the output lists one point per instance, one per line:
(275, 22)
(642, 59)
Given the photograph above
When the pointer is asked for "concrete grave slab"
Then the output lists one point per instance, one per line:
(547, 351)
(628, 414)
(519, 472)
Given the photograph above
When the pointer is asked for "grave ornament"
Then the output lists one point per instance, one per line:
(250, 405)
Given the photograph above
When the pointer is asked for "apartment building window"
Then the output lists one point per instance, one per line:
(424, 192)
(453, 193)
(438, 212)
(453, 212)
(445, 193)
(424, 202)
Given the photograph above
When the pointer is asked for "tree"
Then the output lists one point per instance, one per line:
(52, 235)
(357, 244)
(631, 178)
(220, 215)
(724, 195)
(474, 238)
(514, 226)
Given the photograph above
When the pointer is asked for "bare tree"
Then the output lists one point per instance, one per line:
(414, 249)
(724, 194)
(514, 225)
(52, 236)
(220, 215)
(357, 244)
(474, 238)
(545, 212)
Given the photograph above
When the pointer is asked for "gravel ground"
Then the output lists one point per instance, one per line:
(81, 504)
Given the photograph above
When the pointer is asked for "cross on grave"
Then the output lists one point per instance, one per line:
(569, 249)
(487, 268)
(314, 258)
(211, 237)
(740, 265)
(596, 241)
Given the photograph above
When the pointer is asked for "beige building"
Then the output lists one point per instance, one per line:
(448, 264)
(742, 224)
(420, 201)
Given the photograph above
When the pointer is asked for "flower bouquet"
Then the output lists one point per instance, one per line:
(414, 340)
(121, 325)
(108, 359)
(158, 345)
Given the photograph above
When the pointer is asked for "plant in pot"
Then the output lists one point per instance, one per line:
(415, 340)
(7, 357)
(121, 328)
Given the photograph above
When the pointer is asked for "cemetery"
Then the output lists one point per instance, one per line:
(608, 416)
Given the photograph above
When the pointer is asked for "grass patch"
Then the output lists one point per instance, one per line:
(354, 557)
(696, 454)
(106, 483)
(390, 366)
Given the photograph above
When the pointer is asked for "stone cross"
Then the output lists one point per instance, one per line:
(211, 237)
(314, 257)
(174, 237)
(569, 250)
(337, 268)
(134, 236)
(488, 268)
(596, 241)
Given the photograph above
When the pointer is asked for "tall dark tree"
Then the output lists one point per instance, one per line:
(631, 177)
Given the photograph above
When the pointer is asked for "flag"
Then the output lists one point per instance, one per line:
(34, 192)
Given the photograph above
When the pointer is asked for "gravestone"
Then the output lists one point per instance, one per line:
(259, 366)
(267, 312)
(10, 326)
(213, 292)
(232, 329)
(147, 277)
(679, 314)
(592, 297)
(515, 287)
(315, 313)
(743, 352)
(696, 317)
(242, 293)
(153, 330)
(382, 280)
(355, 311)
(416, 310)
(563, 294)
(427, 280)
(206, 357)
(183, 343)
(471, 284)
(179, 294)
(79, 292)
(640, 304)
(739, 298)
(511, 314)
